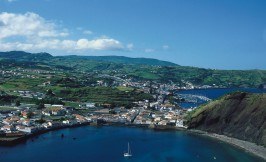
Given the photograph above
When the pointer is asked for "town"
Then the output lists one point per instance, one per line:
(21, 119)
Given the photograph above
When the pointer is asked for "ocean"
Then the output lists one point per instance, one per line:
(108, 143)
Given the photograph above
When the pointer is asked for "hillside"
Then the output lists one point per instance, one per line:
(126, 60)
(25, 56)
(239, 115)
(135, 68)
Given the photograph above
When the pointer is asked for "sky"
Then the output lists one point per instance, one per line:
(216, 34)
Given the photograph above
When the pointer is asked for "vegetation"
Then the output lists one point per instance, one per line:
(6, 99)
(104, 95)
(240, 115)
(17, 103)
(138, 68)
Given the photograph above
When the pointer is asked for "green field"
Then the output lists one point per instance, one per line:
(6, 108)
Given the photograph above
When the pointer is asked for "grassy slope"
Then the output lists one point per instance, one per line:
(238, 115)
(198, 76)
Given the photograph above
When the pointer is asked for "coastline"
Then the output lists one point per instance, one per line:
(249, 147)
(21, 139)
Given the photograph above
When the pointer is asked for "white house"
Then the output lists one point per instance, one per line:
(66, 122)
(25, 129)
(90, 105)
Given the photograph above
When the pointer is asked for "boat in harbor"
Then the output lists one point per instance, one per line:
(128, 153)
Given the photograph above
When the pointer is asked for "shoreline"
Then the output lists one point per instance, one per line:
(249, 147)
(21, 139)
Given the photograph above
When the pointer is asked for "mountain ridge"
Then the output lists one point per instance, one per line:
(26, 56)
(126, 60)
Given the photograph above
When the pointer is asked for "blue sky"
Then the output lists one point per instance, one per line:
(221, 34)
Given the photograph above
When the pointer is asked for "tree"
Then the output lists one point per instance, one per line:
(18, 103)
(41, 106)
(50, 93)
(112, 112)
(41, 121)
(7, 99)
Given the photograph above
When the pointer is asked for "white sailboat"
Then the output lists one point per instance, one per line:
(128, 153)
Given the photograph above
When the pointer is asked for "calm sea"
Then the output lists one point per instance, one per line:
(107, 144)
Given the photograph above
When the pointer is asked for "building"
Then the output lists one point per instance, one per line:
(8, 128)
(80, 119)
(54, 111)
(26, 129)
(90, 105)
(66, 122)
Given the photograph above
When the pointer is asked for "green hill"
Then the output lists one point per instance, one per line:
(125, 60)
(135, 68)
(239, 115)
(25, 56)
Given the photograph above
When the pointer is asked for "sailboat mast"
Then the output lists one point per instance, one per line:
(128, 153)
(128, 148)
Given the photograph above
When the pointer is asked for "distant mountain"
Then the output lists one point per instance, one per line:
(25, 56)
(239, 115)
(125, 60)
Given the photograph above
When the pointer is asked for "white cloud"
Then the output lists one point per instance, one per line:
(40, 34)
(88, 32)
(27, 25)
(68, 45)
(149, 50)
(99, 44)
(165, 47)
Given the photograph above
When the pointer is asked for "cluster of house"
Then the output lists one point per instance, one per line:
(8, 73)
(117, 115)
(16, 73)
(15, 123)
(56, 110)
(20, 120)
(30, 120)
(162, 88)
(171, 118)
(30, 94)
